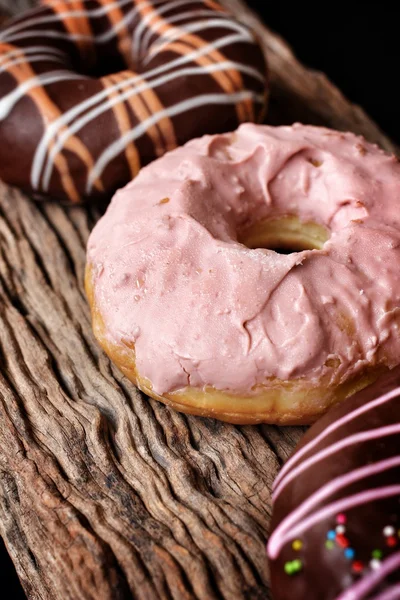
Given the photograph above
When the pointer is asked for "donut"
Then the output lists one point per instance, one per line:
(335, 532)
(195, 301)
(91, 90)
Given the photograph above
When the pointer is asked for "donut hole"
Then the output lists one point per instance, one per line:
(285, 235)
(103, 65)
(95, 62)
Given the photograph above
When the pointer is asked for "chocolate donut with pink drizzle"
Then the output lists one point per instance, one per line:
(336, 519)
(191, 300)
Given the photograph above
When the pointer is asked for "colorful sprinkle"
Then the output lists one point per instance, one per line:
(357, 566)
(297, 565)
(293, 566)
(342, 541)
(337, 538)
(297, 545)
(288, 568)
(349, 553)
(340, 529)
(391, 541)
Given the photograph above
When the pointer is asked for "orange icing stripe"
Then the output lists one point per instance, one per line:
(146, 104)
(115, 16)
(122, 117)
(49, 112)
(140, 109)
(75, 25)
(214, 5)
(230, 81)
(65, 176)
(108, 26)
(222, 79)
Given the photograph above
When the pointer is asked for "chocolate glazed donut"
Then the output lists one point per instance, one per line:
(336, 519)
(92, 90)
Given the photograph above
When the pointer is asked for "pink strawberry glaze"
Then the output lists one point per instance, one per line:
(204, 310)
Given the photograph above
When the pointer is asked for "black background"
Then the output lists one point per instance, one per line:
(357, 45)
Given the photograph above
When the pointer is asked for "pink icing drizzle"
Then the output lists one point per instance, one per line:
(293, 460)
(361, 588)
(203, 309)
(277, 542)
(392, 593)
(284, 529)
(346, 442)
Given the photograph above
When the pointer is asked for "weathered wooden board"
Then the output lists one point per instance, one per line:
(103, 493)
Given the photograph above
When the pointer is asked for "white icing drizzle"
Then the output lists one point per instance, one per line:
(46, 34)
(131, 92)
(144, 46)
(148, 18)
(33, 52)
(198, 26)
(118, 145)
(99, 38)
(52, 131)
(58, 131)
(56, 18)
(32, 59)
(8, 102)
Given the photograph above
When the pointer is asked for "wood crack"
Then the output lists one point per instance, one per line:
(105, 494)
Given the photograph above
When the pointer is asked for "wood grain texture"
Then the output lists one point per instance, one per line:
(104, 494)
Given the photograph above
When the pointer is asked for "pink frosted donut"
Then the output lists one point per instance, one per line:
(192, 302)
